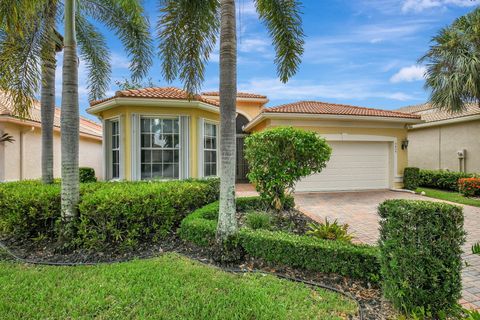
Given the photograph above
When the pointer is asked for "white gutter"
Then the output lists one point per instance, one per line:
(444, 122)
(151, 102)
(309, 116)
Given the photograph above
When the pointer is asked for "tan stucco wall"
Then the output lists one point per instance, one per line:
(28, 147)
(126, 113)
(368, 128)
(436, 147)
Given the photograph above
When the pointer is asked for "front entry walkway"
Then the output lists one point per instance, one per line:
(359, 210)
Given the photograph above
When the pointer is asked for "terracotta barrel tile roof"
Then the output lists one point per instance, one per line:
(316, 107)
(239, 95)
(156, 93)
(86, 126)
(431, 114)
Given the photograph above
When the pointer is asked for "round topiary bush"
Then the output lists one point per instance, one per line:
(278, 158)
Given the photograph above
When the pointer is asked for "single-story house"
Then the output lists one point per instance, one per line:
(21, 159)
(159, 133)
(445, 140)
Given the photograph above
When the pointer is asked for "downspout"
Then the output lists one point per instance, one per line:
(22, 133)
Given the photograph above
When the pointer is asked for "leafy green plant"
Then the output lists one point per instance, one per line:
(330, 231)
(305, 252)
(278, 158)
(442, 179)
(472, 315)
(258, 220)
(87, 175)
(420, 255)
(411, 178)
(476, 248)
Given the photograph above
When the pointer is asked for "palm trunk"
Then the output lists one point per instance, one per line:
(227, 222)
(47, 114)
(70, 118)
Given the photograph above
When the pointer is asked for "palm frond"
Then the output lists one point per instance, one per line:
(21, 53)
(127, 19)
(95, 53)
(187, 31)
(14, 14)
(284, 23)
(453, 64)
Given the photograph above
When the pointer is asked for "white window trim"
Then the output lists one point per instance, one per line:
(201, 149)
(183, 144)
(107, 147)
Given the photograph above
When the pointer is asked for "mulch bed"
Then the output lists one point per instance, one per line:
(369, 296)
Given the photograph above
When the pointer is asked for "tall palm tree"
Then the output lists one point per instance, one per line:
(26, 41)
(188, 30)
(453, 64)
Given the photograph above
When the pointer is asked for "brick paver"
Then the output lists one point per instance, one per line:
(359, 210)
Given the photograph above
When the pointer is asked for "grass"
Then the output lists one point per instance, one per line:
(168, 287)
(449, 196)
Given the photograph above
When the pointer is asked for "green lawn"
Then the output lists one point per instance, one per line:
(168, 287)
(449, 196)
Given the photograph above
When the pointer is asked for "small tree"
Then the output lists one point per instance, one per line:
(280, 157)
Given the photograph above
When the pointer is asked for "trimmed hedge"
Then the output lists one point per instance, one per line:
(118, 214)
(420, 245)
(87, 175)
(358, 261)
(411, 178)
(442, 179)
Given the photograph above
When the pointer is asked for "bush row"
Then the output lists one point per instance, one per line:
(442, 179)
(358, 261)
(420, 245)
(119, 214)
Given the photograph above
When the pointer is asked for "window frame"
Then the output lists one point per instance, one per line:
(161, 149)
(205, 149)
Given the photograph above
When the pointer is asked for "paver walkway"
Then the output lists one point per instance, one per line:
(359, 210)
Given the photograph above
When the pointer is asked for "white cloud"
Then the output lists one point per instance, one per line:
(409, 74)
(304, 90)
(254, 45)
(421, 5)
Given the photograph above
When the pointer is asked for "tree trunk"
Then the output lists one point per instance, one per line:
(47, 114)
(227, 222)
(70, 118)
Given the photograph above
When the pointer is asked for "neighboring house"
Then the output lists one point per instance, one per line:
(159, 133)
(21, 159)
(446, 140)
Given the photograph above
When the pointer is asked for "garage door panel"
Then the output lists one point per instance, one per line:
(352, 166)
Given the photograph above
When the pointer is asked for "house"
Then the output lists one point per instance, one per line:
(160, 133)
(445, 140)
(22, 159)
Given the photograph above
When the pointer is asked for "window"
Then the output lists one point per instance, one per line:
(115, 150)
(210, 150)
(160, 148)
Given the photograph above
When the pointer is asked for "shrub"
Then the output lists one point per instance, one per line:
(420, 245)
(126, 214)
(442, 179)
(330, 231)
(358, 261)
(258, 220)
(469, 187)
(119, 214)
(278, 158)
(411, 178)
(87, 175)
(29, 209)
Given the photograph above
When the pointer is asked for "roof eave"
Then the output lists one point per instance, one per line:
(121, 101)
(446, 121)
(279, 115)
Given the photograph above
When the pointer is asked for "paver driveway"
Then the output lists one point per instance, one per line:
(359, 210)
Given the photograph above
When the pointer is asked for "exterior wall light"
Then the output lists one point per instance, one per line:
(404, 144)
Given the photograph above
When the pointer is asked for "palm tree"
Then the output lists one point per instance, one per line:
(26, 41)
(188, 30)
(453, 64)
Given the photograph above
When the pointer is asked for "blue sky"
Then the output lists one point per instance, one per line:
(360, 52)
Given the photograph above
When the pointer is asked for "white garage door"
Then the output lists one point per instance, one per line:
(352, 166)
